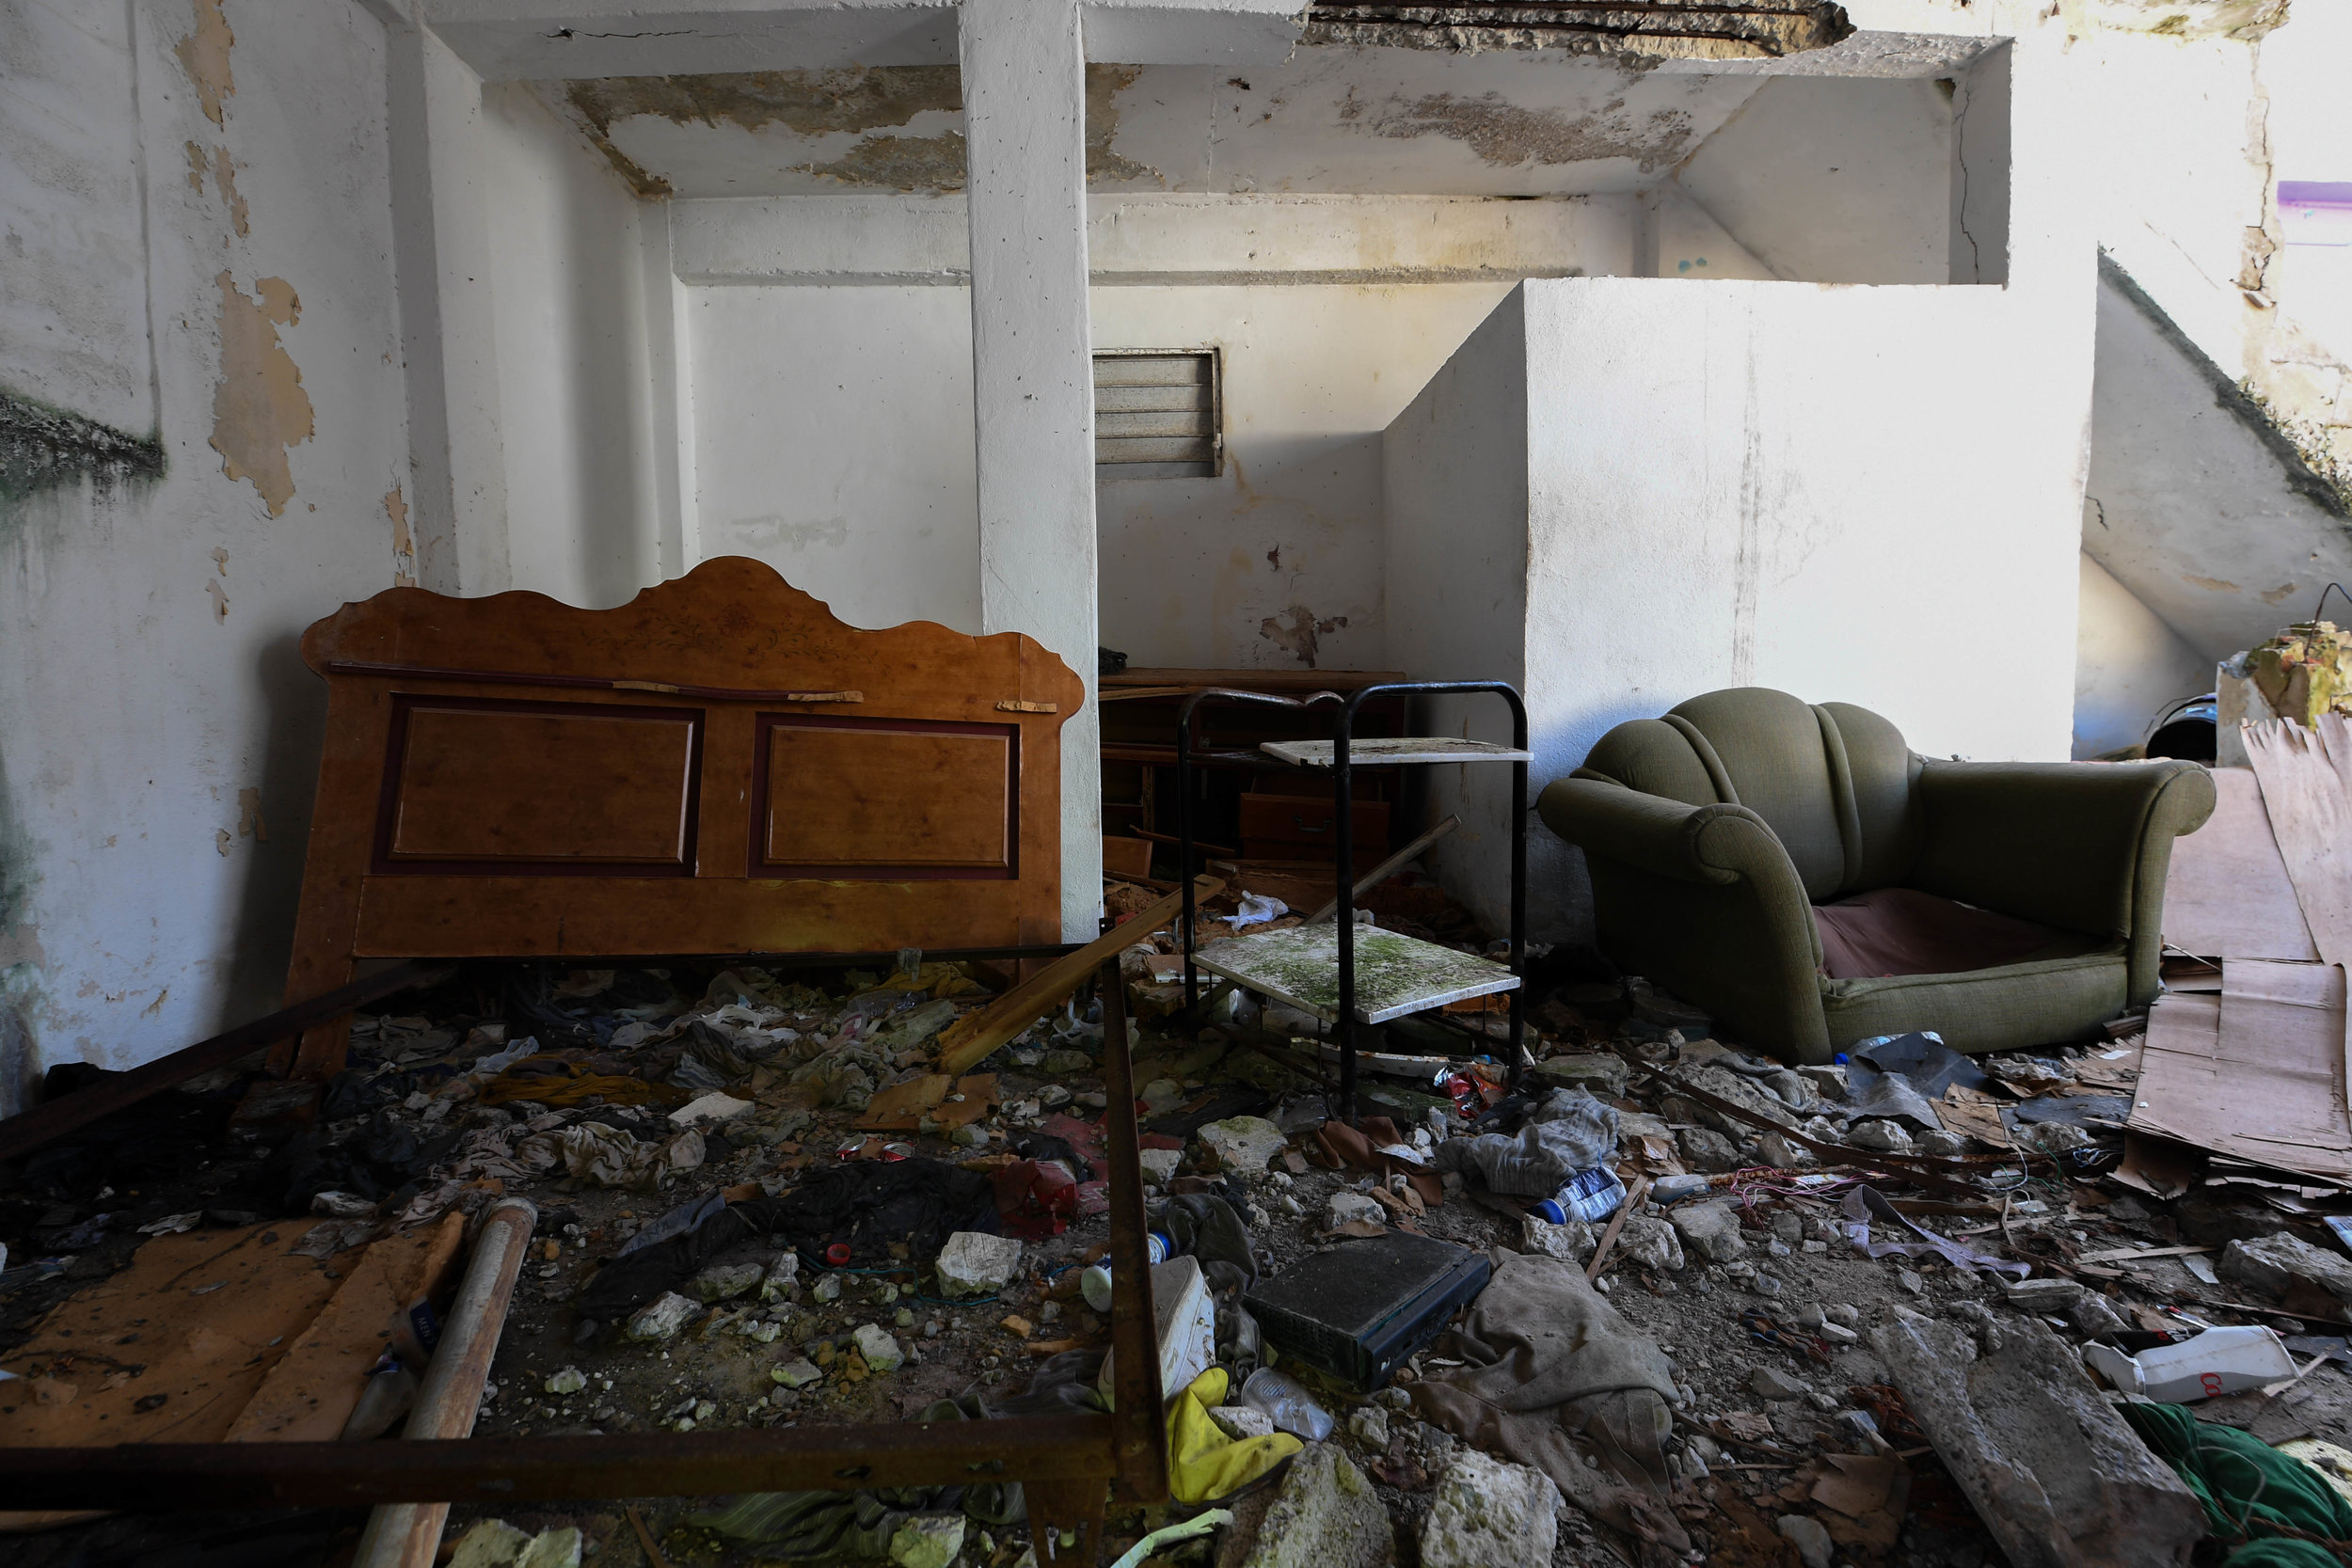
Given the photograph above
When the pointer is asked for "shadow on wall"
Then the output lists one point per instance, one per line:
(277, 818)
(20, 971)
(1283, 548)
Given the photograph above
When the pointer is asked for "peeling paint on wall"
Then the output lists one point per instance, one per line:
(258, 407)
(899, 163)
(204, 55)
(1655, 29)
(1301, 638)
(403, 543)
(1508, 135)
(249, 821)
(879, 99)
(41, 447)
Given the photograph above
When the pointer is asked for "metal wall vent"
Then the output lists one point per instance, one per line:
(1158, 413)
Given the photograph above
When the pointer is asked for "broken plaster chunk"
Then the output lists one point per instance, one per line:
(1241, 1422)
(783, 1275)
(881, 1352)
(1485, 1512)
(1369, 1427)
(725, 1281)
(1327, 1516)
(1571, 1242)
(1346, 1207)
(1651, 1244)
(1243, 1143)
(716, 1106)
(662, 1316)
(1770, 1383)
(1710, 1229)
(976, 1264)
(571, 1380)
(799, 1373)
(2276, 1262)
(492, 1544)
(1602, 1073)
(1883, 1137)
(928, 1541)
(1808, 1535)
(826, 1290)
(1159, 1165)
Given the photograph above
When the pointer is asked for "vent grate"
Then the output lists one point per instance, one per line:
(1158, 415)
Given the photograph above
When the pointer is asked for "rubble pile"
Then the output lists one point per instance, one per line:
(1705, 1305)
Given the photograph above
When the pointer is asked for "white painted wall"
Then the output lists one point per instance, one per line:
(1192, 569)
(1834, 180)
(1455, 479)
(573, 373)
(2129, 666)
(833, 440)
(148, 673)
(1752, 485)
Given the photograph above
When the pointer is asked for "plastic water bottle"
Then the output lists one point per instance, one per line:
(1591, 1195)
(1287, 1404)
(1095, 1284)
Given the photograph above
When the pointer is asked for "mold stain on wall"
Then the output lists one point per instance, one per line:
(1511, 137)
(258, 407)
(1301, 638)
(42, 447)
(880, 100)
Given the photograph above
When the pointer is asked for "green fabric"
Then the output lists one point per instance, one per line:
(1710, 833)
(1885, 777)
(2013, 1007)
(1770, 744)
(2249, 1490)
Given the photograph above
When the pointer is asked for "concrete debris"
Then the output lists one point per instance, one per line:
(1811, 1538)
(1159, 1165)
(1350, 1208)
(976, 1264)
(1571, 1242)
(496, 1543)
(725, 1281)
(1651, 1244)
(571, 1380)
(928, 1541)
(2052, 1471)
(1604, 1074)
(799, 1373)
(1369, 1428)
(1706, 1149)
(1245, 1144)
(1488, 1512)
(1241, 1423)
(1773, 1384)
(1327, 1516)
(668, 1313)
(881, 1352)
(1710, 1229)
(2277, 1263)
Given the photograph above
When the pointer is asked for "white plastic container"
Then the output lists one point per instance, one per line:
(2219, 1361)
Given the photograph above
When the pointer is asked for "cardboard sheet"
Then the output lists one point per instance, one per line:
(2307, 785)
(2257, 1073)
(2228, 894)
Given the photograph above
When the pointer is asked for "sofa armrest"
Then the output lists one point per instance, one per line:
(2081, 846)
(1666, 839)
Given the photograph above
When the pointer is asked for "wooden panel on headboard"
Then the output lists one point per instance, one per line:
(718, 766)
(878, 798)
(496, 787)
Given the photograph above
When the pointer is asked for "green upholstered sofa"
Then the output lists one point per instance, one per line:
(1713, 833)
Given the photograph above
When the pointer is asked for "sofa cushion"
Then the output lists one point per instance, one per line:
(1900, 930)
(2014, 1008)
(1768, 745)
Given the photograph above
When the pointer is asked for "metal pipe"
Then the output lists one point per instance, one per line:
(1138, 1400)
(405, 1535)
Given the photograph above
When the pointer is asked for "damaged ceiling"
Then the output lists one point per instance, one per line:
(1358, 118)
(1672, 29)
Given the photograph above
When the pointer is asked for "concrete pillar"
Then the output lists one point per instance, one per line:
(1032, 373)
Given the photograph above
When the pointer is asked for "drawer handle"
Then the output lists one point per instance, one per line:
(1300, 823)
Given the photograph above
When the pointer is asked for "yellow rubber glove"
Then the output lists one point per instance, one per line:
(1202, 1462)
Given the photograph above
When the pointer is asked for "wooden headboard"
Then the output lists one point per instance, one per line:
(719, 766)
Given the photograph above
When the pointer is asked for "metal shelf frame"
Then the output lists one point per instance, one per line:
(1344, 860)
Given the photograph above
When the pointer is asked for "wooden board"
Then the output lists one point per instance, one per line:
(719, 766)
(2227, 894)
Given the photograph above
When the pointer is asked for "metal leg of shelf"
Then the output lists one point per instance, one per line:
(1343, 870)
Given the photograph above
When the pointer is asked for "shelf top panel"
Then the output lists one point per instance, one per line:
(1395, 974)
(1391, 752)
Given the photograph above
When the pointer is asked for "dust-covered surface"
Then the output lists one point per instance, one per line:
(561, 1085)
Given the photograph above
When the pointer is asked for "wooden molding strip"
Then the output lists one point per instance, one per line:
(596, 683)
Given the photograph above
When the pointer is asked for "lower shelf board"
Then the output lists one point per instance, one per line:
(1395, 974)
